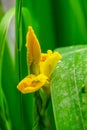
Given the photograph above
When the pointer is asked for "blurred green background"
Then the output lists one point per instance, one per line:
(56, 24)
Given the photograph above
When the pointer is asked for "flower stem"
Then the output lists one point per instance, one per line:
(41, 119)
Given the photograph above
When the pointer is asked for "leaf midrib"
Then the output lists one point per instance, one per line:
(74, 74)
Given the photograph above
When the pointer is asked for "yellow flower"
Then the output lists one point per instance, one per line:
(41, 65)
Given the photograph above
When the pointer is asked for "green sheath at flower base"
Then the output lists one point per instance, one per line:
(41, 65)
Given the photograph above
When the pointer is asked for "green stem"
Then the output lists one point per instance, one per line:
(18, 21)
(41, 119)
(18, 27)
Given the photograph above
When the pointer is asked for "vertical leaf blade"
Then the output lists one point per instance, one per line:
(4, 24)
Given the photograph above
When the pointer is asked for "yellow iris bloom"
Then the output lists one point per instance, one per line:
(41, 65)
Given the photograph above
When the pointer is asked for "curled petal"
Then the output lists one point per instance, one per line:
(48, 65)
(32, 83)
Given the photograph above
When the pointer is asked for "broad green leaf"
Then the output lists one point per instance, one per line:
(69, 89)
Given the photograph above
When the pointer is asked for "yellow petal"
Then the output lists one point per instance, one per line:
(33, 51)
(48, 65)
(32, 83)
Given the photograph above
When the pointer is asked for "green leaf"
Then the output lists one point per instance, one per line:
(3, 30)
(4, 24)
(4, 115)
(69, 89)
(5, 123)
(10, 90)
